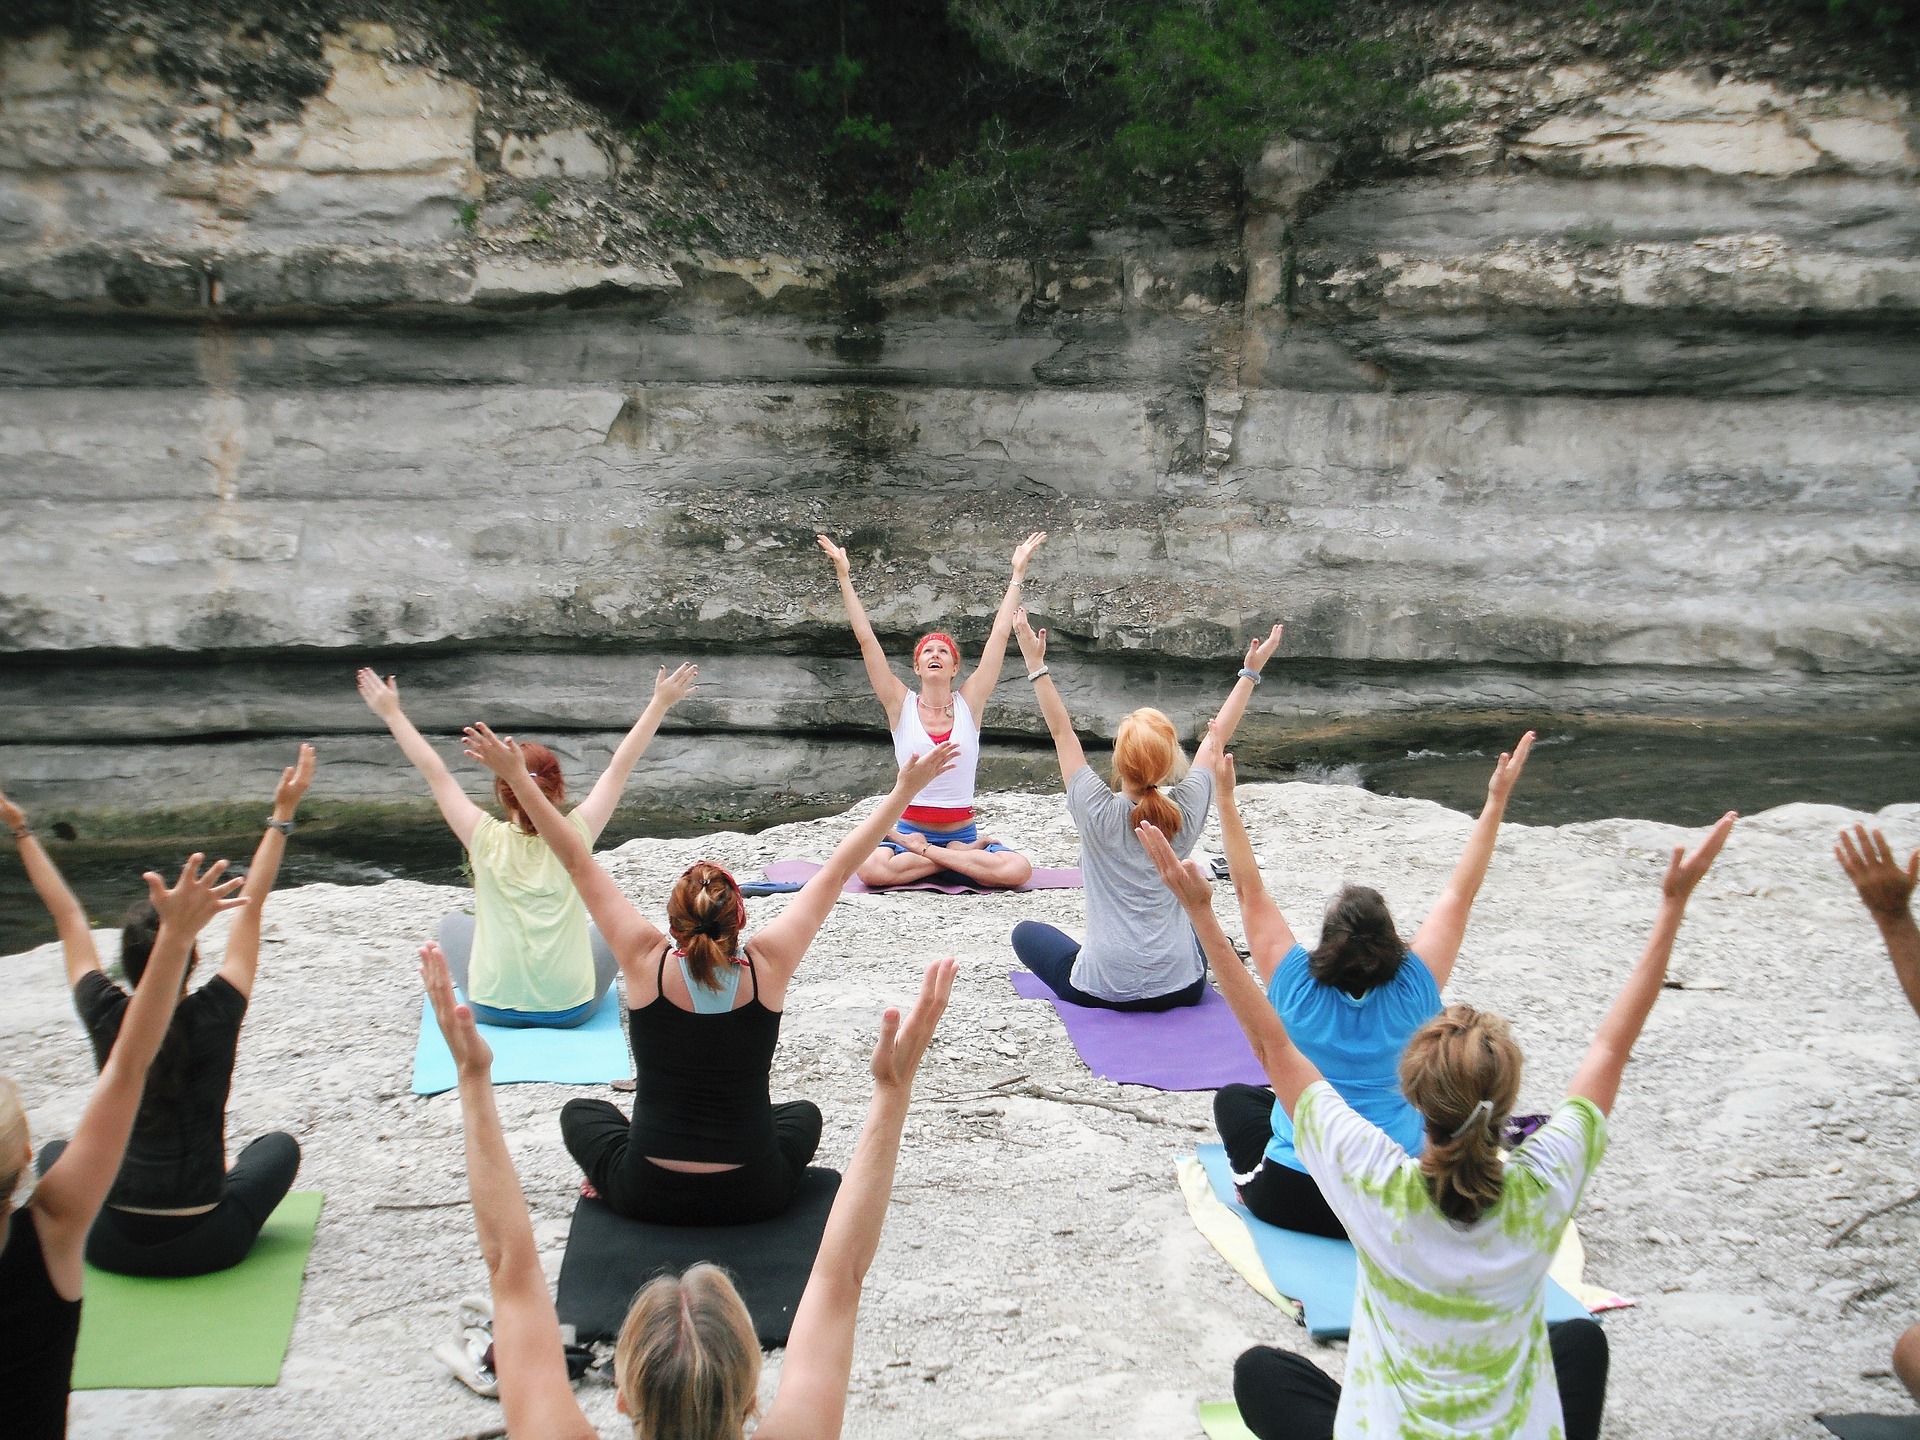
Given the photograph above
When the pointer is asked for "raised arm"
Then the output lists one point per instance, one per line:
(1288, 1071)
(1066, 744)
(1440, 934)
(629, 934)
(1598, 1078)
(383, 698)
(72, 1191)
(887, 686)
(1269, 936)
(242, 959)
(783, 944)
(536, 1398)
(979, 686)
(668, 691)
(812, 1400)
(69, 919)
(1220, 731)
(1886, 889)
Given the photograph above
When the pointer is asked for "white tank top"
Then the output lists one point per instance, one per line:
(953, 790)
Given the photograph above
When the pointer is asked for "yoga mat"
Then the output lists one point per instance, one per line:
(228, 1328)
(945, 881)
(1318, 1272)
(591, 1054)
(1872, 1427)
(1196, 1047)
(1225, 1232)
(609, 1259)
(1221, 1420)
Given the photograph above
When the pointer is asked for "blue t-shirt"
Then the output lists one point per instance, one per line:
(1355, 1044)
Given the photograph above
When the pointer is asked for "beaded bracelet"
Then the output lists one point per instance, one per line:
(1246, 673)
(1036, 674)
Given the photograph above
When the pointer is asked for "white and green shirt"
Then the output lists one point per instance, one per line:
(1449, 1334)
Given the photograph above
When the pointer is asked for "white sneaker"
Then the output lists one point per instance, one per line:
(467, 1360)
(476, 1310)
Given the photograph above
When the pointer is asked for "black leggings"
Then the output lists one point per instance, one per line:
(176, 1245)
(1277, 1194)
(1050, 953)
(599, 1138)
(1284, 1396)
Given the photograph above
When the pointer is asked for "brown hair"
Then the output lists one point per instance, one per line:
(1359, 949)
(1456, 1060)
(687, 1363)
(704, 915)
(1146, 755)
(544, 766)
(13, 1140)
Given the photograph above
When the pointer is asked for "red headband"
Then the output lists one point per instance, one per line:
(943, 638)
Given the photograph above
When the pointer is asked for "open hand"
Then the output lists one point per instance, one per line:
(1033, 643)
(920, 771)
(1506, 770)
(1685, 871)
(896, 1057)
(1023, 552)
(471, 1055)
(294, 781)
(1261, 651)
(194, 898)
(1886, 888)
(834, 553)
(1189, 886)
(670, 690)
(382, 696)
(502, 757)
(11, 815)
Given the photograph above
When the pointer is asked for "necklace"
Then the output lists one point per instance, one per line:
(945, 711)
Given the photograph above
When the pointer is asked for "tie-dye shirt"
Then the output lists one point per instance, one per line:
(1449, 1333)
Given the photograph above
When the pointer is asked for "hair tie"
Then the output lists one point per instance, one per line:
(1481, 1113)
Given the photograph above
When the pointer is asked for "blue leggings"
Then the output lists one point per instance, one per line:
(1050, 954)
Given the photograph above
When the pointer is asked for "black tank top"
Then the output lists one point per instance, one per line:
(700, 1083)
(38, 1330)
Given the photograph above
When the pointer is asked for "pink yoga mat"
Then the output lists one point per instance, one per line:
(1196, 1047)
(800, 871)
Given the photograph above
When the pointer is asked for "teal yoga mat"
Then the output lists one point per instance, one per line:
(591, 1054)
(1318, 1272)
(228, 1328)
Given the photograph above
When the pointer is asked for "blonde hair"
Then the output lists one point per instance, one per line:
(1147, 755)
(14, 1149)
(1456, 1060)
(687, 1362)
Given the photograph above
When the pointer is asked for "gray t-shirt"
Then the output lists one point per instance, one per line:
(1139, 944)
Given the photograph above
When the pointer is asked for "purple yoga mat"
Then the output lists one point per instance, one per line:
(1196, 1047)
(789, 871)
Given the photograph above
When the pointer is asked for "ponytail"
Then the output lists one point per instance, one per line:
(1146, 755)
(705, 914)
(1461, 1071)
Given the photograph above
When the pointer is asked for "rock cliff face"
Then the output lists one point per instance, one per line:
(1601, 403)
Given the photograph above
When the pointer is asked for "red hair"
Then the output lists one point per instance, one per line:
(544, 766)
(941, 637)
(705, 915)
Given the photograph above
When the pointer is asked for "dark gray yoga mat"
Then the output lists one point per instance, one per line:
(1872, 1427)
(609, 1258)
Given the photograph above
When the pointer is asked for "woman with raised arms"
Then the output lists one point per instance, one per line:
(940, 830)
(706, 1144)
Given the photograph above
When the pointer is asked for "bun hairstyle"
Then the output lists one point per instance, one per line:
(544, 766)
(1359, 949)
(1457, 1060)
(1147, 755)
(687, 1362)
(166, 1084)
(14, 1150)
(705, 914)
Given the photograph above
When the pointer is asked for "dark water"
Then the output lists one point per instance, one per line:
(1677, 773)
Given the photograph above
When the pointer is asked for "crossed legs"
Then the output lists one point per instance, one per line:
(998, 869)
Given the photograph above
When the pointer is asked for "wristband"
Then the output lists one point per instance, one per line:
(21, 832)
(285, 827)
(1036, 674)
(1247, 673)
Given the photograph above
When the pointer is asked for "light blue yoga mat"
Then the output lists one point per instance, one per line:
(591, 1054)
(1318, 1272)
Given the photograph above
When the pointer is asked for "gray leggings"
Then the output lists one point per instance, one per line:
(456, 942)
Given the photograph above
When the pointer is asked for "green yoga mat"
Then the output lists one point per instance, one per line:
(228, 1328)
(1221, 1420)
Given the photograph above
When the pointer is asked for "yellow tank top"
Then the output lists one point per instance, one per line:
(530, 947)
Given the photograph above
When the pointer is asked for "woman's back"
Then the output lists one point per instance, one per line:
(531, 950)
(701, 1078)
(1449, 1326)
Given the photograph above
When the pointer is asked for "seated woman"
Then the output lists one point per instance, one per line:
(1448, 1321)
(176, 1208)
(939, 831)
(1351, 1004)
(706, 1144)
(41, 1242)
(1139, 953)
(686, 1362)
(527, 955)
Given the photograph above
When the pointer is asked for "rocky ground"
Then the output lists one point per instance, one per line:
(1039, 1276)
